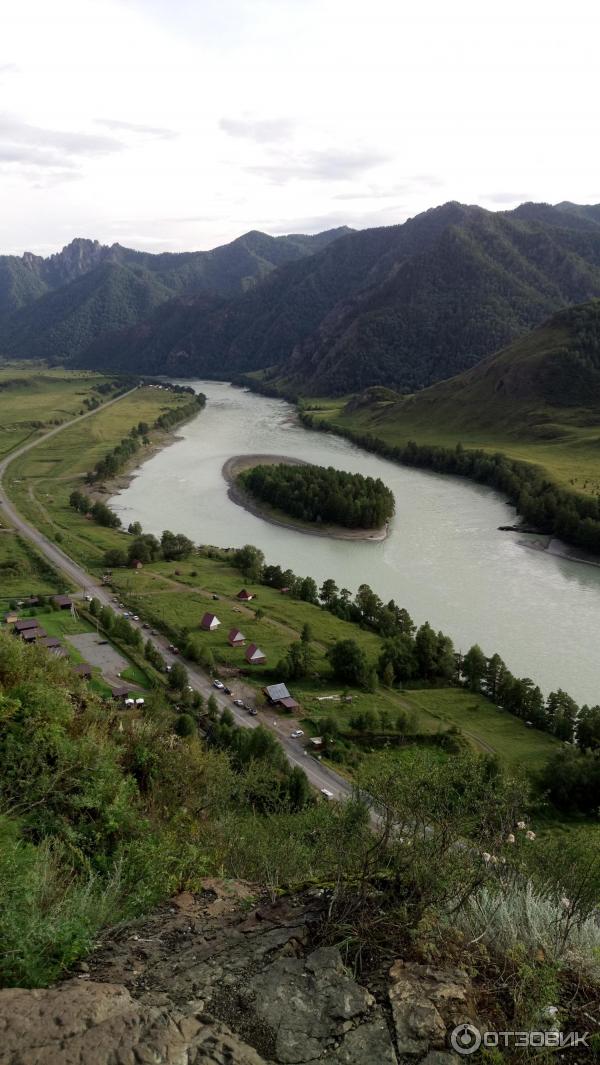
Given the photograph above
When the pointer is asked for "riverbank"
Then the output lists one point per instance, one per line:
(238, 463)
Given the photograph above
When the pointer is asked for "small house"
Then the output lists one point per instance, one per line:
(278, 695)
(254, 656)
(50, 642)
(83, 670)
(236, 638)
(32, 635)
(11, 617)
(121, 691)
(26, 623)
(135, 564)
(246, 596)
(63, 602)
(209, 622)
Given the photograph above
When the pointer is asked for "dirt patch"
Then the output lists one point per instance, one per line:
(101, 654)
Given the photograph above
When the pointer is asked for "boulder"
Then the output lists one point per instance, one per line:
(83, 1023)
(427, 1003)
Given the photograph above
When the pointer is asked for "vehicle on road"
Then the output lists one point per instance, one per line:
(218, 684)
(327, 793)
(238, 702)
(296, 733)
(252, 711)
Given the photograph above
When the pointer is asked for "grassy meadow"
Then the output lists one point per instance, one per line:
(570, 454)
(33, 398)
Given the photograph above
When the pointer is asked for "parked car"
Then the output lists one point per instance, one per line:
(227, 690)
(215, 597)
(126, 614)
(238, 702)
(252, 711)
(218, 684)
(327, 793)
(296, 733)
(88, 598)
(134, 617)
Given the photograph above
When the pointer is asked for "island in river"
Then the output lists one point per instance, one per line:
(238, 464)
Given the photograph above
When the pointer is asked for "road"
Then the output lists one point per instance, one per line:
(320, 776)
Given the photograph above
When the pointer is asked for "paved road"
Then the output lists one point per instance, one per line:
(320, 776)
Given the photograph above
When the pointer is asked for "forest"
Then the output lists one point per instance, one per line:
(321, 494)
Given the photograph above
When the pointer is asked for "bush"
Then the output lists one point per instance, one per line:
(185, 725)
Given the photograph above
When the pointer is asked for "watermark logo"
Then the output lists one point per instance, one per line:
(466, 1039)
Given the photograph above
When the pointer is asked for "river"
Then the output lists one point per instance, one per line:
(444, 560)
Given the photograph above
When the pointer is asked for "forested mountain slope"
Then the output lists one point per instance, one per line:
(540, 384)
(402, 306)
(57, 306)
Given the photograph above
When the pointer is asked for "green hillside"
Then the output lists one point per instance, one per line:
(402, 306)
(59, 305)
(525, 421)
(549, 379)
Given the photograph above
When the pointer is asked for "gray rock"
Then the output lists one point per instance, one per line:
(100, 1024)
(427, 1003)
(307, 1002)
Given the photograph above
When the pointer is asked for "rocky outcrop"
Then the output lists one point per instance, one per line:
(427, 1003)
(215, 979)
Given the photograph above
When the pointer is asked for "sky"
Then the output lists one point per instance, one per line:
(180, 124)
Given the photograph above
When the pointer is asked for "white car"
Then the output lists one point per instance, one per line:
(328, 794)
(296, 734)
(238, 702)
(134, 617)
(88, 598)
(218, 684)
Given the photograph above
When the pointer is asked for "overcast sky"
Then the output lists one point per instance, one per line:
(179, 124)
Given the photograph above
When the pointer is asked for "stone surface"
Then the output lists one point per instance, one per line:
(427, 1003)
(203, 981)
(82, 1023)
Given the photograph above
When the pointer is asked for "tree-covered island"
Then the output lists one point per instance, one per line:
(320, 494)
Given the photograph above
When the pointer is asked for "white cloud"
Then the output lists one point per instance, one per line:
(136, 127)
(263, 130)
(194, 121)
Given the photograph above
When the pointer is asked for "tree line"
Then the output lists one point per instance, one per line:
(556, 511)
(321, 494)
(116, 459)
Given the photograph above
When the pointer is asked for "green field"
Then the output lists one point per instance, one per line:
(41, 481)
(22, 571)
(571, 457)
(33, 398)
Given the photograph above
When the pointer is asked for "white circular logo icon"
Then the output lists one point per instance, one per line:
(466, 1039)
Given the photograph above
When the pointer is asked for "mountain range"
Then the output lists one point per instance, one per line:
(55, 307)
(402, 306)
